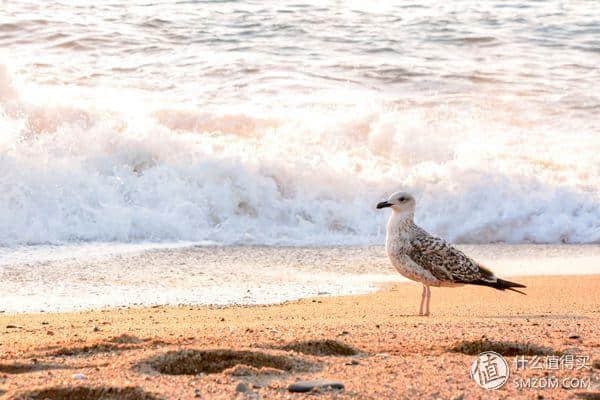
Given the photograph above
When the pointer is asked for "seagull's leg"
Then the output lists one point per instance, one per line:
(423, 296)
(427, 301)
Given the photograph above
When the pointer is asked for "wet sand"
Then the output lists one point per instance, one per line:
(131, 353)
(97, 275)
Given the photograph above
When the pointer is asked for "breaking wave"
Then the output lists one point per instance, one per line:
(121, 170)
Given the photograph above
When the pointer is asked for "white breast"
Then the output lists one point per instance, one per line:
(397, 245)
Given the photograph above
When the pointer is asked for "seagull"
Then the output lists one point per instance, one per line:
(424, 258)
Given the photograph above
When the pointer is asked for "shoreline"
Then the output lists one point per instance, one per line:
(380, 287)
(400, 355)
(98, 276)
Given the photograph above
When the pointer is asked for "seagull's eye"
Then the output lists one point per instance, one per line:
(402, 198)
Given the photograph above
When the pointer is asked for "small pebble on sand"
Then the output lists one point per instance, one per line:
(309, 386)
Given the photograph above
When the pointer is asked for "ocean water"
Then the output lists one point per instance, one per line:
(131, 132)
(283, 123)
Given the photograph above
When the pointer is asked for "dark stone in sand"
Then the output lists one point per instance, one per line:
(241, 388)
(307, 386)
(574, 336)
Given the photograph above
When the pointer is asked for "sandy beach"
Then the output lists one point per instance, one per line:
(374, 344)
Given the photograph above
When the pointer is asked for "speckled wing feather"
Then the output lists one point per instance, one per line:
(445, 262)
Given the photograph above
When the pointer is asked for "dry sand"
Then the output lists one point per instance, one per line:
(136, 351)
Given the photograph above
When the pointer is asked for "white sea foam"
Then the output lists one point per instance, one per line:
(239, 123)
(79, 172)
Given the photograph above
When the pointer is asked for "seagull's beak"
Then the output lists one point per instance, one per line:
(384, 204)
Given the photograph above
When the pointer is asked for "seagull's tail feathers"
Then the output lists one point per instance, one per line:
(500, 284)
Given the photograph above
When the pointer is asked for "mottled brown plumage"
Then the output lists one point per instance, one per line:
(445, 262)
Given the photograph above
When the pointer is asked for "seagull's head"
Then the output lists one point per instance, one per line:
(399, 202)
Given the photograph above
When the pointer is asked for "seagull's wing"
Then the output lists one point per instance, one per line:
(445, 262)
